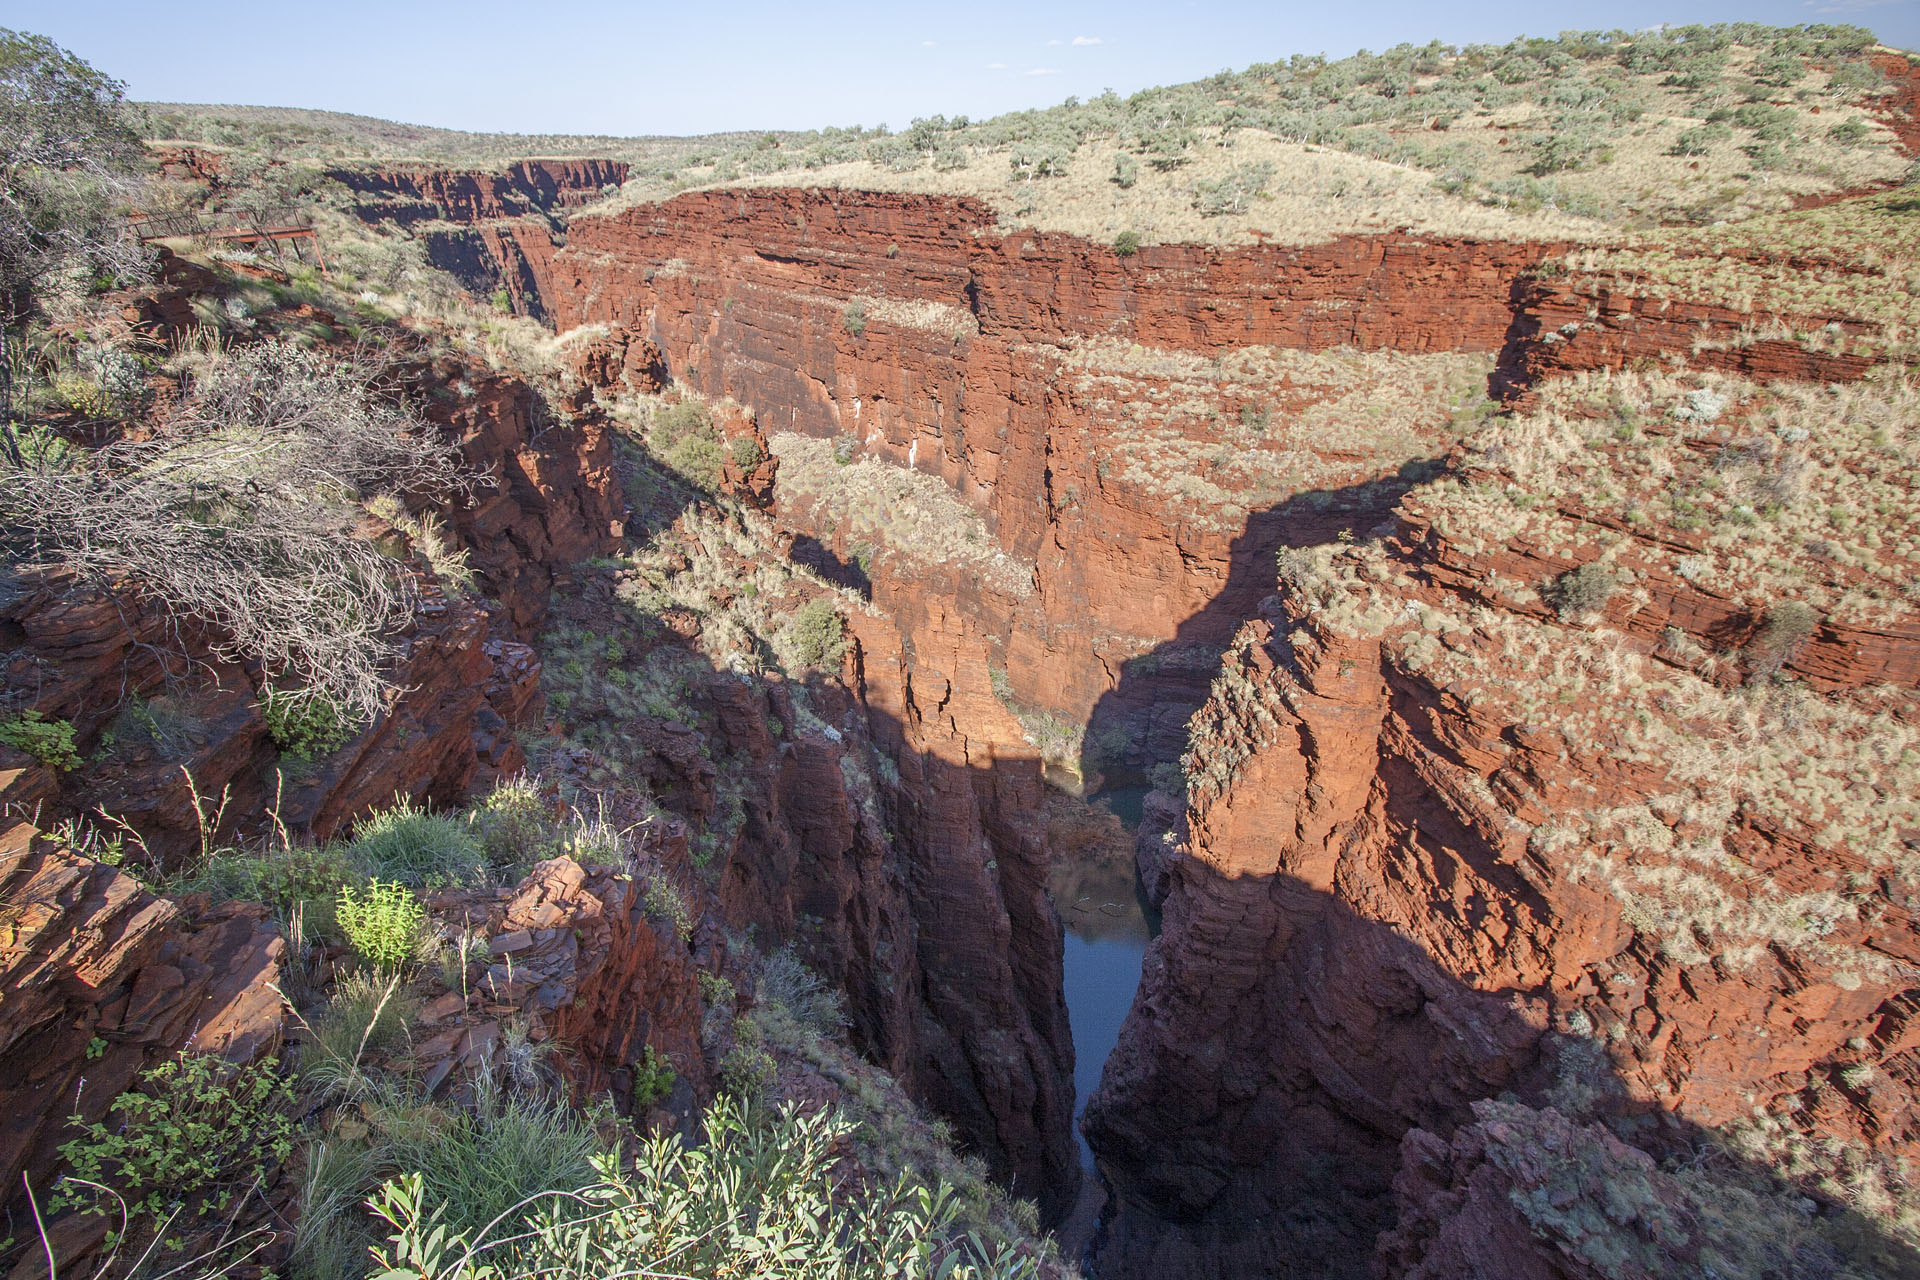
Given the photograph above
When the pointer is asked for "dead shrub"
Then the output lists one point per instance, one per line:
(239, 512)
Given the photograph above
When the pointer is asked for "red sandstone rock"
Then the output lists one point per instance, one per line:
(104, 980)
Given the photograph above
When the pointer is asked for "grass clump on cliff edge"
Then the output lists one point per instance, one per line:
(422, 850)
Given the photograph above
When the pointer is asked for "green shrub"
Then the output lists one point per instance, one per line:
(1578, 593)
(1784, 631)
(48, 741)
(1233, 193)
(304, 728)
(747, 453)
(1699, 140)
(196, 1129)
(1126, 244)
(1849, 133)
(683, 434)
(681, 1210)
(1768, 122)
(280, 876)
(419, 849)
(748, 1070)
(514, 825)
(1126, 171)
(382, 925)
(817, 635)
(69, 155)
(788, 984)
(653, 1079)
(855, 317)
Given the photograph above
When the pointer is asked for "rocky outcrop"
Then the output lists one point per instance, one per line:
(551, 498)
(572, 957)
(994, 1052)
(1563, 330)
(103, 980)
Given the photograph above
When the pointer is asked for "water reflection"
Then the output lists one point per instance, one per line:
(1108, 927)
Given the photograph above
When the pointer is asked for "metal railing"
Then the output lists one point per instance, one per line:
(248, 227)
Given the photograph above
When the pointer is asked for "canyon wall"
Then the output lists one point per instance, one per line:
(937, 342)
(412, 193)
(914, 333)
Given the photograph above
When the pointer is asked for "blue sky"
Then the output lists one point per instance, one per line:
(593, 66)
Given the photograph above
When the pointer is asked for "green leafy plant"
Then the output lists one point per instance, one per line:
(855, 317)
(1126, 244)
(682, 1210)
(382, 925)
(48, 741)
(665, 902)
(304, 728)
(653, 1079)
(195, 1130)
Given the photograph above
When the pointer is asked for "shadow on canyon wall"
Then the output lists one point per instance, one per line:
(1142, 723)
(1254, 1118)
(1258, 1118)
(816, 555)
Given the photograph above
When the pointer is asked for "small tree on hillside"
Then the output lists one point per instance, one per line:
(67, 157)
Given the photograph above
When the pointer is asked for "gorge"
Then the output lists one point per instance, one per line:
(1492, 663)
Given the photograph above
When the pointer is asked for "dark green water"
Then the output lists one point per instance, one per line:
(1107, 931)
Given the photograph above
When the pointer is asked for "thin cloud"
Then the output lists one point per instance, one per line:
(1087, 40)
(926, 44)
(1056, 42)
(1044, 71)
(996, 66)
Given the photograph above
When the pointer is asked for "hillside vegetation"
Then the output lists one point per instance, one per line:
(1575, 137)
(1572, 137)
(256, 452)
